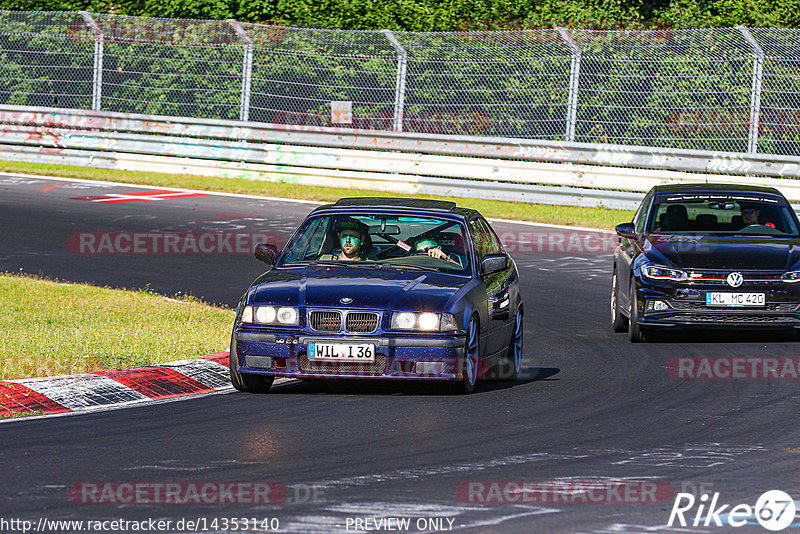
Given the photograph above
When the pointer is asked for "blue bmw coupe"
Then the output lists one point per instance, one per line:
(382, 288)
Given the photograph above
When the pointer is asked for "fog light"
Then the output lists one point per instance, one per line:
(657, 305)
(429, 368)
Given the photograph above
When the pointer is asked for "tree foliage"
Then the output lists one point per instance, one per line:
(449, 15)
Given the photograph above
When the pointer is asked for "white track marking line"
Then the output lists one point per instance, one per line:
(275, 199)
(124, 184)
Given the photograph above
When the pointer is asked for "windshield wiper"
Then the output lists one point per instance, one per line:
(410, 266)
(334, 263)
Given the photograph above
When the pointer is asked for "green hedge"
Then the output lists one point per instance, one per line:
(449, 15)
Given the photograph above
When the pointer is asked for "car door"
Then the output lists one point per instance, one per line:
(628, 250)
(498, 285)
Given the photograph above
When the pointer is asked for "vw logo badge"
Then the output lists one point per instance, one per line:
(735, 279)
(348, 300)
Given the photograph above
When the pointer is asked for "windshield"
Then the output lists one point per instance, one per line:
(722, 214)
(391, 241)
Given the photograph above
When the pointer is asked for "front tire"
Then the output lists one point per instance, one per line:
(246, 382)
(618, 321)
(509, 370)
(471, 359)
(636, 333)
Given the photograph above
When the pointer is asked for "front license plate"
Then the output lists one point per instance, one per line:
(342, 352)
(735, 299)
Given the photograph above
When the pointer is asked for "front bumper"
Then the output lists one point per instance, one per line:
(396, 357)
(686, 306)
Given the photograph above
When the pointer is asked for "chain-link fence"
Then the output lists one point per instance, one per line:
(724, 89)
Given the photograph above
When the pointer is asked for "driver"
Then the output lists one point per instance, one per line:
(351, 241)
(431, 248)
(750, 215)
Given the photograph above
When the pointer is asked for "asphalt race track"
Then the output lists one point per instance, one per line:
(592, 407)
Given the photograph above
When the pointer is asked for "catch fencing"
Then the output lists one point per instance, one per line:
(724, 89)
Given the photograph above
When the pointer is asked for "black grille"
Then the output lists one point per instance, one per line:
(361, 322)
(345, 368)
(779, 306)
(740, 318)
(325, 321)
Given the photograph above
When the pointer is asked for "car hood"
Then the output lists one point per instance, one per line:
(318, 286)
(713, 252)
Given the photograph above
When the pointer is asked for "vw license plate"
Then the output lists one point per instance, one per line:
(342, 352)
(735, 299)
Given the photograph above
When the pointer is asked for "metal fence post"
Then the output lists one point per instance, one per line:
(400, 84)
(247, 69)
(755, 91)
(97, 81)
(574, 78)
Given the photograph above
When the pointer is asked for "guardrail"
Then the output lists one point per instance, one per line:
(614, 176)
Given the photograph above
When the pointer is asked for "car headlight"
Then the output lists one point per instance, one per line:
(288, 316)
(270, 315)
(657, 272)
(426, 321)
(791, 276)
(265, 314)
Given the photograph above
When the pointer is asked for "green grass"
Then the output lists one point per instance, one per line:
(51, 328)
(566, 215)
(14, 414)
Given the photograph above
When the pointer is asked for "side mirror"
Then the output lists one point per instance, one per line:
(494, 263)
(266, 253)
(626, 230)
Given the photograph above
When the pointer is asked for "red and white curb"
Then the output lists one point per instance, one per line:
(104, 389)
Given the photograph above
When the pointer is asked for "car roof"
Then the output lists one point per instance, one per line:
(392, 202)
(712, 188)
(412, 205)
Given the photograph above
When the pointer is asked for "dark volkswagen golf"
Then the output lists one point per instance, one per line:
(707, 255)
(382, 288)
